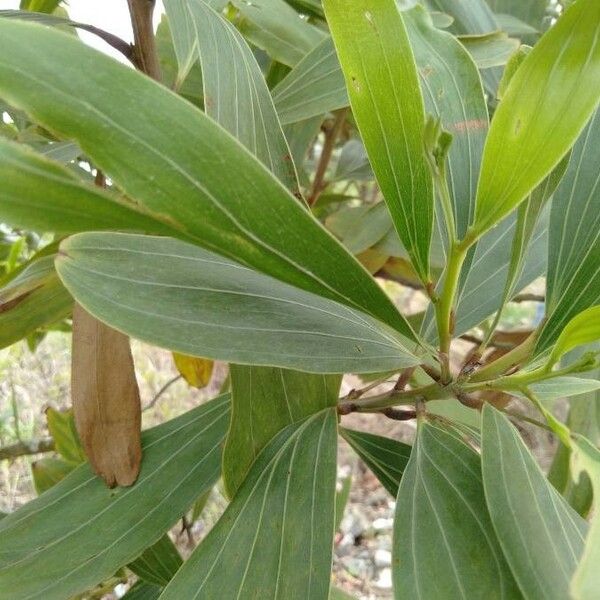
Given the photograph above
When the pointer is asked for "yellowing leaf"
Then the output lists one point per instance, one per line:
(196, 371)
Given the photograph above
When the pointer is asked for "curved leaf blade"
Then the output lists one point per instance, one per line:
(178, 172)
(444, 544)
(383, 86)
(529, 516)
(275, 538)
(181, 297)
(387, 458)
(574, 245)
(546, 105)
(264, 401)
(80, 532)
(235, 92)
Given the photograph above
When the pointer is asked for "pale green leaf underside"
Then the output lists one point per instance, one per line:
(386, 457)
(183, 298)
(278, 29)
(541, 535)
(264, 401)
(80, 532)
(235, 92)
(444, 544)
(178, 164)
(547, 104)
(274, 541)
(574, 245)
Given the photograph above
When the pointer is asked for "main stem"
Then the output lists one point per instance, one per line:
(145, 53)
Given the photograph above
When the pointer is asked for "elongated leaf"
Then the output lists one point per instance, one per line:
(530, 518)
(158, 563)
(386, 100)
(586, 581)
(314, 86)
(453, 92)
(264, 401)
(564, 387)
(444, 544)
(474, 17)
(143, 591)
(275, 538)
(532, 12)
(35, 298)
(491, 50)
(79, 532)
(581, 330)
(574, 245)
(387, 458)
(278, 29)
(181, 297)
(235, 92)
(48, 471)
(40, 194)
(178, 172)
(548, 102)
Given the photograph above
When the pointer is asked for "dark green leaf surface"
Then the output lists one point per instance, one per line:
(278, 29)
(541, 535)
(574, 245)
(35, 298)
(548, 102)
(264, 401)
(444, 544)
(181, 297)
(158, 563)
(143, 591)
(387, 458)
(383, 86)
(80, 532)
(275, 538)
(40, 194)
(235, 92)
(176, 163)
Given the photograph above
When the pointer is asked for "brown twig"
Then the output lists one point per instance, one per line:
(162, 390)
(331, 135)
(144, 49)
(27, 448)
(112, 40)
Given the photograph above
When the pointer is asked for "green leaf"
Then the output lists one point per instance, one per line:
(581, 330)
(532, 11)
(563, 387)
(514, 26)
(143, 591)
(158, 563)
(48, 471)
(275, 538)
(183, 298)
(180, 169)
(264, 401)
(278, 29)
(586, 581)
(490, 50)
(35, 298)
(337, 594)
(387, 458)
(342, 495)
(40, 194)
(235, 92)
(386, 100)
(541, 535)
(61, 425)
(474, 17)
(548, 102)
(453, 92)
(444, 544)
(574, 246)
(41, 6)
(80, 532)
(314, 86)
